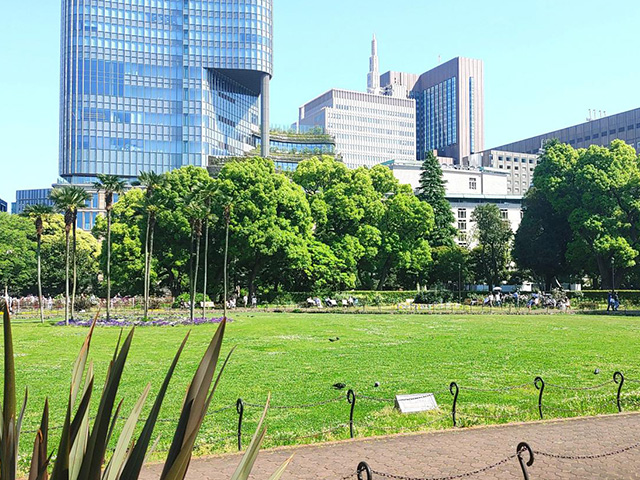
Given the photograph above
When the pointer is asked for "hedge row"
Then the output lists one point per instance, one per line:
(386, 298)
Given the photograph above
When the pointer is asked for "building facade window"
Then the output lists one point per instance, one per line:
(473, 183)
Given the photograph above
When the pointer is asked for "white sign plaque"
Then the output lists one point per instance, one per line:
(420, 402)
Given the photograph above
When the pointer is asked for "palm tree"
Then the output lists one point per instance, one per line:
(111, 185)
(37, 213)
(68, 199)
(196, 213)
(227, 221)
(150, 181)
(207, 192)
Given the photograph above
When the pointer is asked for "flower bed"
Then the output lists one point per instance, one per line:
(169, 321)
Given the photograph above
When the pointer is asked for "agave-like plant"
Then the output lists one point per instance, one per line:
(82, 450)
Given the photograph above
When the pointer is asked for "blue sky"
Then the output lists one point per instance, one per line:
(546, 63)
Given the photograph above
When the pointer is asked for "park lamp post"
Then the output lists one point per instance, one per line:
(460, 283)
(613, 273)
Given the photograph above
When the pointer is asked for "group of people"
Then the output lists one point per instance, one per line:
(498, 299)
(331, 303)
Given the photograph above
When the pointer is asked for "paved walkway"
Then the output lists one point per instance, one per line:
(447, 453)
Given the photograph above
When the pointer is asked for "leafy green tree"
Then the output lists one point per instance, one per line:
(405, 228)
(68, 199)
(37, 213)
(110, 184)
(596, 190)
(451, 264)
(17, 254)
(493, 235)
(541, 242)
(432, 190)
(270, 224)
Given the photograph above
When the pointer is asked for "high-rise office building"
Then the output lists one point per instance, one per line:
(156, 85)
(450, 109)
(24, 198)
(597, 131)
(3, 205)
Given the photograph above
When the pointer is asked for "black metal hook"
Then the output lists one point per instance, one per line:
(363, 467)
(539, 384)
(351, 398)
(618, 377)
(524, 447)
(454, 386)
(240, 410)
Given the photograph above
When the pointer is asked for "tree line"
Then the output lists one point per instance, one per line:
(326, 228)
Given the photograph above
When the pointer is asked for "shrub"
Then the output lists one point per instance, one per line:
(429, 297)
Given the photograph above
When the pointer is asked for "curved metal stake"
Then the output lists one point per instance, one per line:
(524, 447)
(539, 384)
(351, 398)
(363, 467)
(240, 410)
(618, 377)
(452, 387)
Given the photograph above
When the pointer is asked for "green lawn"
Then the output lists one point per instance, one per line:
(290, 355)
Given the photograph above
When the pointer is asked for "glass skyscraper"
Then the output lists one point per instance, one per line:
(159, 84)
(450, 109)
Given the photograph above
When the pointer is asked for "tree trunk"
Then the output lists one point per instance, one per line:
(147, 265)
(75, 269)
(108, 265)
(226, 256)
(205, 272)
(191, 290)
(39, 245)
(66, 296)
(194, 288)
(384, 273)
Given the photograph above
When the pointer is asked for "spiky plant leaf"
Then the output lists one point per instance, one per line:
(39, 460)
(8, 454)
(248, 460)
(97, 445)
(133, 466)
(119, 455)
(21, 417)
(278, 473)
(79, 447)
(80, 363)
(193, 409)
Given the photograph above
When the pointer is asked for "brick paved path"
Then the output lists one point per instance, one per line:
(444, 453)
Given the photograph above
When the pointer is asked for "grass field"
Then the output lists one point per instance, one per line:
(290, 355)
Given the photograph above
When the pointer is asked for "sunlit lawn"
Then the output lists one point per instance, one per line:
(290, 355)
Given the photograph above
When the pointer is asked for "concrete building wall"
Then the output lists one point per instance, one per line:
(519, 167)
(368, 129)
(467, 188)
(601, 131)
(463, 208)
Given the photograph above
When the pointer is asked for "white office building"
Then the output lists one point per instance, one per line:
(468, 188)
(518, 166)
(368, 129)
